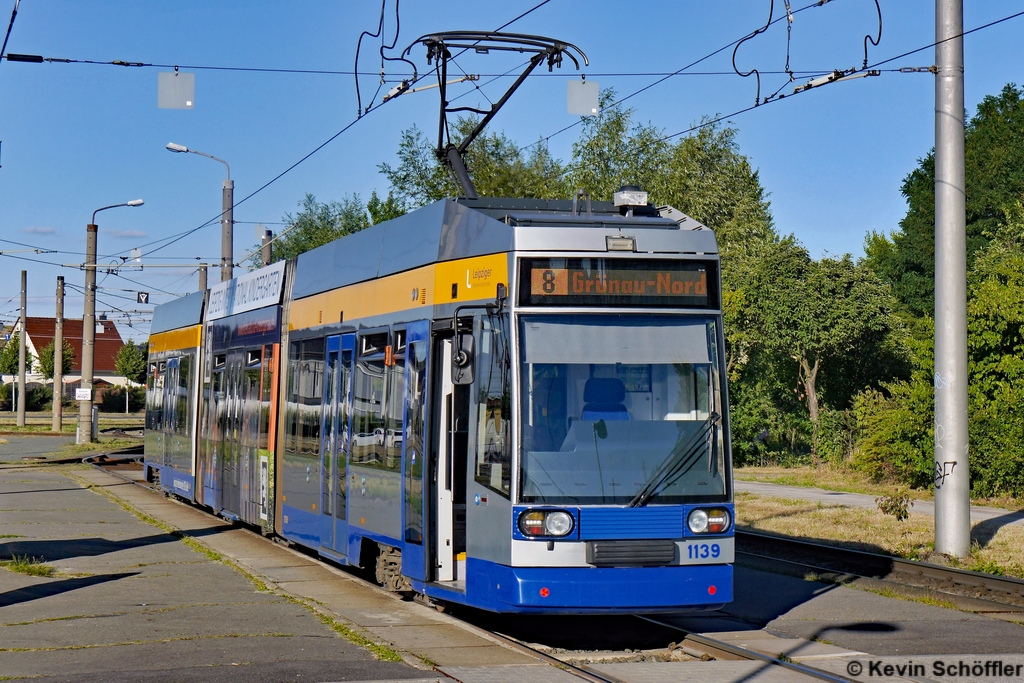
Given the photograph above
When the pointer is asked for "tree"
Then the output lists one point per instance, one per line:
(317, 224)
(9, 357)
(994, 168)
(497, 165)
(46, 354)
(384, 210)
(130, 362)
(819, 314)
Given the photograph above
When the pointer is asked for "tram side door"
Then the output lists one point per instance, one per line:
(334, 450)
(444, 499)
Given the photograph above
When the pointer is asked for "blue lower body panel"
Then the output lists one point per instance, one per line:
(574, 590)
(175, 481)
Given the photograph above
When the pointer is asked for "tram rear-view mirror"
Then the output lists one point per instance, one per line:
(462, 359)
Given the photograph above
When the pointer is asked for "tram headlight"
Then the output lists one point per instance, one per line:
(558, 523)
(545, 523)
(698, 521)
(710, 521)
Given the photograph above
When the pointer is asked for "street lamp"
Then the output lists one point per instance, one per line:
(89, 323)
(227, 214)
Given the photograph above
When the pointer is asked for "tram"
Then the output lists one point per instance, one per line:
(516, 405)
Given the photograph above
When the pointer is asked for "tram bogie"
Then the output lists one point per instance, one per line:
(507, 404)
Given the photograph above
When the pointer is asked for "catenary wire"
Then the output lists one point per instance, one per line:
(661, 80)
(168, 241)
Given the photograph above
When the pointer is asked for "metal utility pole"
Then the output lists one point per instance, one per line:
(266, 248)
(58, 359)
(89, 324)
(202, 278)
(22, 340)
(88, 335)
(227, 213)
(952, 474)
(227, 223)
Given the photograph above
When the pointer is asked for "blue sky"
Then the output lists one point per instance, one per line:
(77, 137)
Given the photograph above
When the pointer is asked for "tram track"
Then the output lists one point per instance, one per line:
(983, 593)
(693, 645)
(974, 591)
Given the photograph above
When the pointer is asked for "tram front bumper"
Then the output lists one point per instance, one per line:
(598, 589)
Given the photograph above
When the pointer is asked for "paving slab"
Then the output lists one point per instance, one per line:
(17, 448)
(132, 603)
(509, 672)
(408, 626)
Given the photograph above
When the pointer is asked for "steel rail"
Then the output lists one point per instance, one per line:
(977, 585)
(714, 645)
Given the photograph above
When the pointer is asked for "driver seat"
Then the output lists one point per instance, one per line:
(602, 398)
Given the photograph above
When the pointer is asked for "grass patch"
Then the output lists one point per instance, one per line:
(11, 536)
(29, 566)
(870, 530)
(105, 443)
(924, 599)
(379, 650)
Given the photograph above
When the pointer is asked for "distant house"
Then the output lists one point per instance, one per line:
(108, 343)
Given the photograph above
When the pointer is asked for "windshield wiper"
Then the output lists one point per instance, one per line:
(679, 462)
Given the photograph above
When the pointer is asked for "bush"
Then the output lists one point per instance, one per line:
(836, 435)
(37, 398)
(997, 443)
(895, 439)
(113, 399)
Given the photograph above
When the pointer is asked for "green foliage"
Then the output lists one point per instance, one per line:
(318, 223)
(895, 434)
(113, 399)
(37, 398)
(994, 168)
(384, 210)
(497, 165)
(9, 357)
(897, 504)
(830, 321)
(130, 362)
(67, 359)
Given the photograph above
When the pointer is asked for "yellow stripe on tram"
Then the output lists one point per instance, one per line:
(463, 280)
(174, 340)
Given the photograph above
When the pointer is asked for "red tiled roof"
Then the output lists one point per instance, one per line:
(108, 343)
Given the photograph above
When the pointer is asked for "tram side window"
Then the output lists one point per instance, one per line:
(159, 376)
(268, 376)
(250, 398)
(183, 399)
(305, 394)
(154, 398)
(493, 443)
(369, 393)
(417, 392)
(395, 408)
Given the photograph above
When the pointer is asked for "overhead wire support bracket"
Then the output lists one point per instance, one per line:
(439, 47)
(835, 77)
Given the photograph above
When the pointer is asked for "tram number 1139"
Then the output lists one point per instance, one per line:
(703, 551)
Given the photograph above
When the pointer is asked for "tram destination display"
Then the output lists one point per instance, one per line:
(618, 282)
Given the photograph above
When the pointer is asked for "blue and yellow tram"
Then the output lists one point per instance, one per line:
(518, 405)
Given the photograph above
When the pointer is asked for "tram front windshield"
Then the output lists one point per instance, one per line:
(620, 409)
